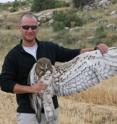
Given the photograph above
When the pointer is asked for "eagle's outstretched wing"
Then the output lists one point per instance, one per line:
(80, 73)
(84, 71)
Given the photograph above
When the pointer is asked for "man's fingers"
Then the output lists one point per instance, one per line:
(103, 48)
(39, 87)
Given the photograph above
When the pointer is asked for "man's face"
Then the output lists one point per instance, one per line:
(28, 28)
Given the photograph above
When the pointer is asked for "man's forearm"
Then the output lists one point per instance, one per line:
(86, 50)
(35, 88)
(20, 89)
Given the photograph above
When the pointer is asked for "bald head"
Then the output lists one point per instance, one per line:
(29, 16)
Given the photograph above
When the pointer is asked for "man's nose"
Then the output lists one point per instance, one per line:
(30, 29)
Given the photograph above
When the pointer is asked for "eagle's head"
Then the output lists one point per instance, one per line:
(43, 65)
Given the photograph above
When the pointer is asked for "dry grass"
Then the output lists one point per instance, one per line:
(7, 108)
(73, 112)
(98, 105)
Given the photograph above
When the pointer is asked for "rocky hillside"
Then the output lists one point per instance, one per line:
(99, 24)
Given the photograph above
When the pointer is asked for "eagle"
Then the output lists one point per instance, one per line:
(76, 75)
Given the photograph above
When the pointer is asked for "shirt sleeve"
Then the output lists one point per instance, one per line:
(65, 54)
(8, 73)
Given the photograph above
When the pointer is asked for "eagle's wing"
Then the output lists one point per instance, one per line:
(80, 73)
(84, 71)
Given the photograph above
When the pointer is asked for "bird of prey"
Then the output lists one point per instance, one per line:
(82, 72)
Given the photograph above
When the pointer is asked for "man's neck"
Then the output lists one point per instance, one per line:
(28, 43)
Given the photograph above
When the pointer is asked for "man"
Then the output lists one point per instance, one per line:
(19, 62)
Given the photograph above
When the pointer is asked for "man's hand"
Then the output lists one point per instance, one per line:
(102, 47)
(39, 87)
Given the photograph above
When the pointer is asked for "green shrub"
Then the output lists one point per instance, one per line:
(100, 36)
(15, 6)
(59, 16)
(61, 4)
(5, 6)
(81, 3)
(100, 32)
(72, 20)
(109, 42)
(58, 26)
(66, 19)
(94, 41)
(39, 5)
(13, 9)
(66, 38)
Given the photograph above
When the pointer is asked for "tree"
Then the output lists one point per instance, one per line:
(81, 3)
(39, 5)
(14, 6)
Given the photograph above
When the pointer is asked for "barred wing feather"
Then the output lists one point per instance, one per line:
(86, 70)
